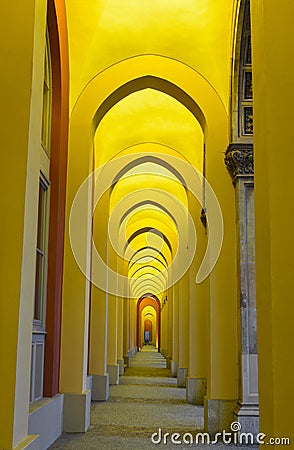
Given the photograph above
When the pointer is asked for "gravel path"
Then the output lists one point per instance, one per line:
(145, 400)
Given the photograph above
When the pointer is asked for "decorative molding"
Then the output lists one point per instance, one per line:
(247, 120)
(239, 160)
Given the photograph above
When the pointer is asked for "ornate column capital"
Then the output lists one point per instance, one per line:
(239, 160)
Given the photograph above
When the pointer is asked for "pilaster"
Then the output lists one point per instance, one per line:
(240, 164)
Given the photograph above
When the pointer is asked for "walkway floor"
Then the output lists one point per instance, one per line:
(145, 400)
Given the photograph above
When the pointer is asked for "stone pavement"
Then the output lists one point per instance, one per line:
(145, 400)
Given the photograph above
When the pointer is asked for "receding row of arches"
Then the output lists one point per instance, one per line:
(149, 250)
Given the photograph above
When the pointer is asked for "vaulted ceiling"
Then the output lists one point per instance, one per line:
(102, 33)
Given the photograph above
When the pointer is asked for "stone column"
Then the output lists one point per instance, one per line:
(98, 345)
(132, 327)
(175, 348)
(112, 366)
(239, 162)
(126, 330)
(99, 317)
(164, 327)
(170, 328)
(198, 316)
(197, 376)
(120, 337)
(184, 290)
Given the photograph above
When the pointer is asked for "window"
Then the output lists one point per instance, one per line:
(245, 80)
(41, 257)
(47, 99)
(39, 322)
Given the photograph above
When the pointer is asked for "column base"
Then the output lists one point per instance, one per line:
(174, 368)
(163, 352)
(218, 415)
(248, 416)
(196, 391)
(168, 362)
(182, 377)
(121, 366)
(76, 412)
(100, 387)
(132, 351)
(31, 442)
(113, 371)
(89, 382)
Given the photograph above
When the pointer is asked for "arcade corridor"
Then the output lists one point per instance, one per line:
(146, 198)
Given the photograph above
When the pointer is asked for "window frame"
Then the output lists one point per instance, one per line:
(47, 99)
(39, 324)
(245, 67)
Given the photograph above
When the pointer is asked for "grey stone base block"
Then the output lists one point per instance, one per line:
(100, 387)
(174, 368)
(113, 371)
(218, 415)
(89, 382)
(121, 366)
(31, 442)
(76, 412)
(196, 391)
(248, 417)
(132, 352)
(182, 377)
(43, 412)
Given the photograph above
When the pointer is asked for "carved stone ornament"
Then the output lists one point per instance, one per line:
(239, 160)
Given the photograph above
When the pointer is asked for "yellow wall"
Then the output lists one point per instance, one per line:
(273, 72)
(21, 106)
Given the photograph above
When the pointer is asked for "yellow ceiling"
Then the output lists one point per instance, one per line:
(149, 116)
(195, 32)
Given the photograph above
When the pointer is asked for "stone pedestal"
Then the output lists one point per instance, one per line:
(76, 412)
(218, 415)
(113, 371)
(248, 417)
(131, 353)
(100, 387)
(182, 377)
(43, 412)
(121, 366)
(174, 368)
(196, 390)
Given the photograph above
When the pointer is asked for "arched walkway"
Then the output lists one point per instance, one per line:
(144, 411)
(153, 303)
(197, 95)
